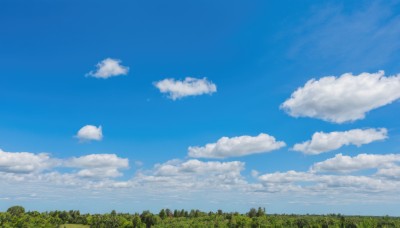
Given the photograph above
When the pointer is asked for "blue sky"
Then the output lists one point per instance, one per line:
(150, 84)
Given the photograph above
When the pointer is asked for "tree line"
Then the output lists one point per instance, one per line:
(17, 217)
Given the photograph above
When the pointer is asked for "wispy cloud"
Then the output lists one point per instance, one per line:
(177, 89)
(367, 35)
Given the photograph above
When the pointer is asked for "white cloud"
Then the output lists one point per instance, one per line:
(194, 174)
(323, 142)
(99, 172)
(90, 132)
(342, 163)
(109, 68)
(198, 167)
(189, 87)
(313, 183)
(21, 166)
(392, 172)
(24, 162)
(200, 182)
(98, 161)
(237, 146)
(343, 99)
(98, 165)
(285, 177)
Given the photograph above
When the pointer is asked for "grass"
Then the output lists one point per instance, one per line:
(73, 226)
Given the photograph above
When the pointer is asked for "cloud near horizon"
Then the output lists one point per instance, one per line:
(24, 162)
(324, 142)
(177, 89)
(346, 98)
(108, 68)
(98, 165)
(343, 163)
(97, 174)
(194, 174)
(236, 146)
(95, 166)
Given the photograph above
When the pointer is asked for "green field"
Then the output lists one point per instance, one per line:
(73, 226)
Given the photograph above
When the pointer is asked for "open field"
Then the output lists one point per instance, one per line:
(73, 226)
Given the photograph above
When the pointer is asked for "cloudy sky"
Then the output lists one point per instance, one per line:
(134, 105)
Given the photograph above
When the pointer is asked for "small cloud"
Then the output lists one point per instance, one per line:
(237, 146)
(138, 163)
(90, 132)
(255, 173)
(108, 68)
(189, 87)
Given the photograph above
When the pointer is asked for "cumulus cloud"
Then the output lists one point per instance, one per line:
(98, 161)
(312, 183)
(98, 165)
(194, 174)
(108, 68)
(20, 165)
(236, 146)
(184, 180)
(343, 99)
(343, 163)
(323, 142)
(24, 162)
(340, 182)
(189, 87)
(392, 172)
(90, 132)
(195, 166)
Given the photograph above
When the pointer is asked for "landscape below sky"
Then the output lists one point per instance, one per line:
(143, 105)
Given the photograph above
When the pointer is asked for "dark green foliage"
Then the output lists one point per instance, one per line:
(162, 214)
(16, 210)
(252, 213)
(255, 218)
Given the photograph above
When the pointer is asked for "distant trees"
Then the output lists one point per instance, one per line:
(256, 213)
(149, 219)
(16, 216)
(162, 214)
(16, 210)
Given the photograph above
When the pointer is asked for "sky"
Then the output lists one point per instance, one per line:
(143, 105)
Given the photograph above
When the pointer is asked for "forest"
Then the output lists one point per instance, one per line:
(16, 216)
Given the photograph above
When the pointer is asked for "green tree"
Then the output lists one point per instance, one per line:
(260, 212)
(252, 213)
(16, 210)
(162, 214)
(137, 222)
